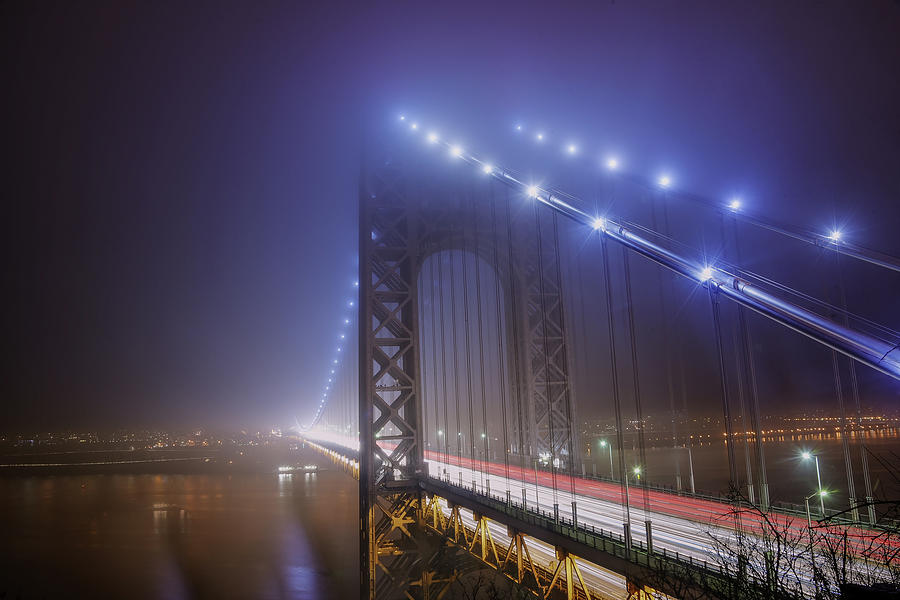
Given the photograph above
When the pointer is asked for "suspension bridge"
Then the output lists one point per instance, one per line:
(528, 378)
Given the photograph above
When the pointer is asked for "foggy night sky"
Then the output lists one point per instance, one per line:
(180, 232)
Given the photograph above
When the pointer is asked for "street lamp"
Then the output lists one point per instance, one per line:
(806, 455)
(605, 444)
(821, 494)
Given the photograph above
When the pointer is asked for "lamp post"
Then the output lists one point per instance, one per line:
(607, 445)
(806, 455)
(821, 494)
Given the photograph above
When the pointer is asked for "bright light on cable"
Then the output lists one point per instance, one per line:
(488, 169)
(735, 204)
(612, 163)
(598, 224)
(835, 235)
(572, 149)
(432, 137)
(664, 181)
(532, 191)
(706, 274)
(456, 151)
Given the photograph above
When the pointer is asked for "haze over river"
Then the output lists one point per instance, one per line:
(242, 535)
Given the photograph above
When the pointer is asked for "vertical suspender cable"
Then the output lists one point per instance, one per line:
(423, 401)
(854, 389)
(742, 404)
(750, 366)
(723, 377)
(446, 457)
(614, 374)
(548, 389)
(468, 351)
(500, 334)
(485, 432)
(845, 444)
(564, 358)
(434, 363)
(515, 344)
(457, 429)
(636, 382)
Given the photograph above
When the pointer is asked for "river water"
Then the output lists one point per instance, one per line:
(261, 535)
(250, 535)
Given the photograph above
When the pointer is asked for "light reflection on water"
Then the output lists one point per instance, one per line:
(179, 536)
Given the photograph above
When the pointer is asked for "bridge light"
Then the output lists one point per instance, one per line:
(806, 455)
(706, 274)
(414, 126)
(402, 117)
(612, 163)
(539, 137)
(519, 127)
(440, 432)
(603, 443)
(532, 191)
(346, 321)
(835, 235)
(455, 151)
(432, 137)
(488, 169)
(637, 471)
(572, 149)
(598, 224)
(664, 181)
(735, 204)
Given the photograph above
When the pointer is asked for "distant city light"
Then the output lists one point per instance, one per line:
(432, 137)
(488, 169)
(456, 151)
(665, 181)
(598, 223)
(706, 274)
(612, 163)
(532, 191)
(735, 204)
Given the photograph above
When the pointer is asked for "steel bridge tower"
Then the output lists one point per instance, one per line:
(408, 212)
